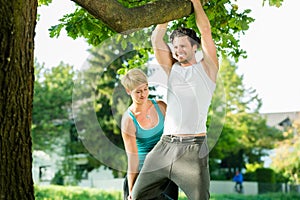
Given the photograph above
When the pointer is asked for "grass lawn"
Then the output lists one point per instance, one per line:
(78, 193)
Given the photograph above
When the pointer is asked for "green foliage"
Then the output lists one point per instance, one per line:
(100, 81)
(276, 3)
(74, 193)
(245, 136)
(58, 178)
(51, 106)
(44, 2)
(53, 129)
(82, 24)
(268, 196)
(288, 150)
(227, 22)
(266, 179)
(265, 175)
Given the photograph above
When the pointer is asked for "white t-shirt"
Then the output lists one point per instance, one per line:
(189, 95)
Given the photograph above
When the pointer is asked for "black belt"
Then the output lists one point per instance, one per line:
(183, 139)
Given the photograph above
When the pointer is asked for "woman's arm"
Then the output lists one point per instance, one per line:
(129, 138)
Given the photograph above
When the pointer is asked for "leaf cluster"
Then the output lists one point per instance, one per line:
(227, 22)
(82, 24)
(288, 150)
(51, 105)
(44, 2)
(245, 137)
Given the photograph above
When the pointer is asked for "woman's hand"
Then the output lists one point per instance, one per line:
(129, 197)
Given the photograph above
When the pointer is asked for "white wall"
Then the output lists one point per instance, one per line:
(227, 187)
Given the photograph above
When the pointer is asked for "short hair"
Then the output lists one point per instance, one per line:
(192, 35)
(133, 78)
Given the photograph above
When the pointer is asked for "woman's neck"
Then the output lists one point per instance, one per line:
(135, 107)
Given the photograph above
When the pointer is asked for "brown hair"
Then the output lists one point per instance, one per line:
(192, 35)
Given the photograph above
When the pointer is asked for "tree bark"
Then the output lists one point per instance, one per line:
(122, 19)
(18, 20)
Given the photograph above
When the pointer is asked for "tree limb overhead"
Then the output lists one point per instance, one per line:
(122, 19)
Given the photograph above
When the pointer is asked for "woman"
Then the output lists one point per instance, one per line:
(142, 127)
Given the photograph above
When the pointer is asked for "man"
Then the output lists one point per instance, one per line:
(181, 155)
(238, 179)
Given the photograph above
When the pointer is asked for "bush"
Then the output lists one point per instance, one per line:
(250, 176)
(266, 180)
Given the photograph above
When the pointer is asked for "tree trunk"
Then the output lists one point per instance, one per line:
(18, 20)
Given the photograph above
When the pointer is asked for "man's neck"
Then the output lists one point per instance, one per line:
(187, 64)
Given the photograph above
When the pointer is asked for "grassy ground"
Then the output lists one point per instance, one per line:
(271, 196)
(77, 193)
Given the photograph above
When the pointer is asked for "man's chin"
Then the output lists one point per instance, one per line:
(183, 61)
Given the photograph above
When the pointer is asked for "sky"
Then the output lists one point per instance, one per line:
(272, 44)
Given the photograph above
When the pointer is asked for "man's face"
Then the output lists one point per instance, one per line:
(184, 52)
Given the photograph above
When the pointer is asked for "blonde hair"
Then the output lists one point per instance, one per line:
(133, 78)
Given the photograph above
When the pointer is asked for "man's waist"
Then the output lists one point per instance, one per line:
(189, 138)
(190, 135)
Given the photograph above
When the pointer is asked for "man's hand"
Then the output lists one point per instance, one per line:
(202, 2)
(195, 1)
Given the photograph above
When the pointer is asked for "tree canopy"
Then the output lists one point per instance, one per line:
(146, 12)
(96, 20)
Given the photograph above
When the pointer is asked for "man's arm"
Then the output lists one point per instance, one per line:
(210, 59)
(162, 51)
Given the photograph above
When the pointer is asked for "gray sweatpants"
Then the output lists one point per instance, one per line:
(184, 160)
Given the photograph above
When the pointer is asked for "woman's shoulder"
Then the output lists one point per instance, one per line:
(158, 102)
(162, 105)
(127, 124)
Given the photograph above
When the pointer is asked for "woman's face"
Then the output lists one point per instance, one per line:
(140, 93)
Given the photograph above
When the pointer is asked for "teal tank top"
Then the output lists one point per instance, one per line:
(147, 138)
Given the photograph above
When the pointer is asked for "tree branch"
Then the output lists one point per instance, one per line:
(122, 19)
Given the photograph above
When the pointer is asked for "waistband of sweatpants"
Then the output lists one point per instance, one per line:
(184, 139)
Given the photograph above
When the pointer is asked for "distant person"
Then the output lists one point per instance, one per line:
(238, 179)
(142, 126)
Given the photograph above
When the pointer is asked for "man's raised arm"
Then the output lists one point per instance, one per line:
(162, 51)
(207, 44)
